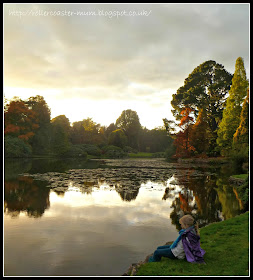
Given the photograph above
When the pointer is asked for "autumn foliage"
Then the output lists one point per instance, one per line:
(212, 112)
(182, 141)
(20, 120)
(29, 130)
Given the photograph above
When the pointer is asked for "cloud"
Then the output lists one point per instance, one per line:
(100, 58)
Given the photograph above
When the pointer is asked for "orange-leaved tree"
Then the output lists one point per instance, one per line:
(19, 120)
(182, 141)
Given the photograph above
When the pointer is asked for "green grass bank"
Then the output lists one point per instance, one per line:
(227, 252)
(241, 176)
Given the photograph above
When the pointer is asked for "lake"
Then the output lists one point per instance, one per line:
(97, 217)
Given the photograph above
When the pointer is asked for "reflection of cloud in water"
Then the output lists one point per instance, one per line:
(101, 214)
(104, 219)
(107, 200)
(81, 231)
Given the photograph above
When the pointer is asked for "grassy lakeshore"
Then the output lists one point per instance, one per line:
(227, 252)
(241, 176)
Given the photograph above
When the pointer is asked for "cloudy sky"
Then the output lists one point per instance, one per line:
(96, 60)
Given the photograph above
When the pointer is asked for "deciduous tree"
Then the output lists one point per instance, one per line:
(41, 140)
(200, 133)
(182, 141)
(118, 138)
(60, 135)
(204, 89)
(130, 124)
(19, 120)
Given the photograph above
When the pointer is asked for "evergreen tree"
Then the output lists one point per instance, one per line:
(231, 114)
(241, 136)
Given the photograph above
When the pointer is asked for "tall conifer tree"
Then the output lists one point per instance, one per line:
(231, 114)
(241, 136)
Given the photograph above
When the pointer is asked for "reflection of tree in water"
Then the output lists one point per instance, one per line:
(126, 193)
(177, 213)
(126, 181)
(26, 195)
(129, 189)
(87, 187)
(201, 193)
(204, 197)
(183, 203)
(60, 193)
(227, 194)
(168, 193)
(13, 167)
(60, 165)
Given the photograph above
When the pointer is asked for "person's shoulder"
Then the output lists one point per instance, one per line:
(190, 231)
(193, 231)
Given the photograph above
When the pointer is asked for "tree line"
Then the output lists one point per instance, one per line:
(211, 113)
(29, 130)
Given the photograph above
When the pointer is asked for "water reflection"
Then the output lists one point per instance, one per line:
(207, 196)
(87, 234)
(26, 195)
(205, 193)
(98, 217)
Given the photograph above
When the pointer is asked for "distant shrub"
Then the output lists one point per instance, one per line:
(129, 149)
(16, 148)
(75, 151)
(113, 152)
(91, 149)
(158, 155)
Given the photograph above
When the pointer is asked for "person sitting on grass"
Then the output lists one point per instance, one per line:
(187, 245)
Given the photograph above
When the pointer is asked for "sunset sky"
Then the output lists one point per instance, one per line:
(115, 57)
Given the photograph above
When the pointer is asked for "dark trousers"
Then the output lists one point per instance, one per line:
(163, 251)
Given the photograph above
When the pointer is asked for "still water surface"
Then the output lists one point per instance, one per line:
(98, 217)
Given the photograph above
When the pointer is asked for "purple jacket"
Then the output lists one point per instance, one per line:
(193, 252)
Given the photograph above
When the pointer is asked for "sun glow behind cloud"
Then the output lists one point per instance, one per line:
(84, 104)
(97, 67)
